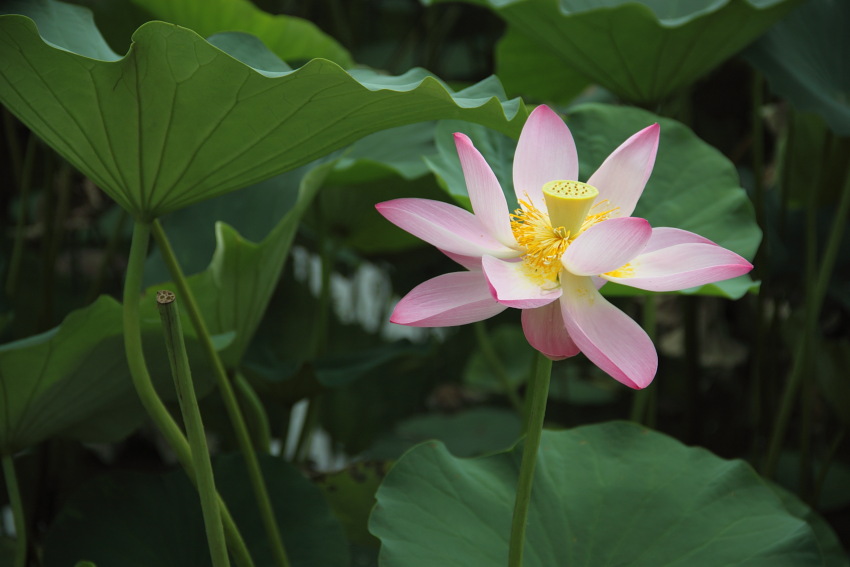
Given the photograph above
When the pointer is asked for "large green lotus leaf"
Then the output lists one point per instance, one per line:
(177, 120)
(139, 520)
(529, 69)
(692, 187)
(74, 381)
(234, 291)
(378, 167)
(642, 51)
(290, 38)
(804, 57)
(608, 494)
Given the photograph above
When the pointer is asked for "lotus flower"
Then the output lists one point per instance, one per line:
(550, 256)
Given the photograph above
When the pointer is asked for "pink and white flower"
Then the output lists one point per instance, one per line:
(550, 257)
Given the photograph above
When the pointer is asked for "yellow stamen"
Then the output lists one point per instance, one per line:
(544, 245)
(546, 237)
(569, 202)
(593, 218)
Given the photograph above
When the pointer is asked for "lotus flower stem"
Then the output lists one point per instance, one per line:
(179, 360)
(146, 392)
(14, 491)
(538, 393)
(226, 389)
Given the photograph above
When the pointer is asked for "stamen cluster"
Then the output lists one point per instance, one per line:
(544, 244)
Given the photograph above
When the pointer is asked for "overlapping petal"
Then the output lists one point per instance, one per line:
(623, 175)
(445, 226)
(606, 335)
(451, 299)
(511, 286)
(681, 266)
(606, 246)
(545, 330)
(485, 193)
(545, 152)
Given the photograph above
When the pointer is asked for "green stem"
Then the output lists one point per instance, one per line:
(14, 491)
(496, 365)
(536, 405)
(231, 404)
(814, 302)
(144, 387)
(179, 360)
(24, 184)
(255, 410)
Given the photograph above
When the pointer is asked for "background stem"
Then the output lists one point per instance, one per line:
(144, 387)
(256, 412)
(182, 374)
(231, 404)
(816, 293)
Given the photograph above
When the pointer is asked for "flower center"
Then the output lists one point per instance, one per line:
(546, 237)
(544, 244)
(568, 203)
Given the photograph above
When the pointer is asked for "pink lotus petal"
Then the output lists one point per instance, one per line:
(623, 175)
(472, 263)
(680, 267)
(606, 335)
(544, 328)
(664, 237)
(445, 226)
(451, 299)
(545, 152)
(511, 286)
(485, 193)
(606, 246)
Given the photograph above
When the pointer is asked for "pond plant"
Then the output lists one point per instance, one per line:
(226, 341)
